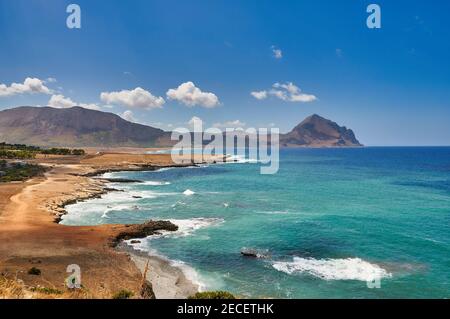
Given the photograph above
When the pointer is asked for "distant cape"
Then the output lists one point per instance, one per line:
(316, 131)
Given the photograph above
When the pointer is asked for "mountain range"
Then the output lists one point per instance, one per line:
(80, 127)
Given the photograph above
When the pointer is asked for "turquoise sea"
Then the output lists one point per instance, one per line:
(328, 223)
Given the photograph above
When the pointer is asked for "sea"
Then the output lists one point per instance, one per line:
(370, 222)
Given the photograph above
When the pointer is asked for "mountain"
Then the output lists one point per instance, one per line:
(80, 127)
(73, 127)
(316, 131)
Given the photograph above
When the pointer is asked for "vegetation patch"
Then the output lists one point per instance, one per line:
(10, 172)
(212, 295)
(46, 291)
(21, 151)
(34, 271)
(123, 294)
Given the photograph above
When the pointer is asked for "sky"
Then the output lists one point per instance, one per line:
(251, 63)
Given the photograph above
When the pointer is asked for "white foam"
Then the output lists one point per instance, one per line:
(107, 175)
(155, 183)
(188, 226)
(240, 159)
(118, 208)
(188, 192)
(163, 169)
(334, 269)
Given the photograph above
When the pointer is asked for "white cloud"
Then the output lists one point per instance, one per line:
(60, 101)
(288, 92)
(260, 95)
(30, 85)
(50, 80)
(277, 53)
(190, 95)
(138, 98)
(230, 124)
(128, 116)
(339, 53)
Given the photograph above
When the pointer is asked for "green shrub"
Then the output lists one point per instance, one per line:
(212, 295)
(123, 294)
(19, 171)
(34, 271)
(47, 291)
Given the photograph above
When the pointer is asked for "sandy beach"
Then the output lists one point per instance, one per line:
(30, 237)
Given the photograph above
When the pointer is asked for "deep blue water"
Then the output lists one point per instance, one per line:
(329, 221)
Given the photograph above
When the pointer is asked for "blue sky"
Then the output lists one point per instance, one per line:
(390, 85)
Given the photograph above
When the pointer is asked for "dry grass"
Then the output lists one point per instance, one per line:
(16, 289)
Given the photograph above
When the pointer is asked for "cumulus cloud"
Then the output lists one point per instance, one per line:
(277, 53)
(60, 101)
(30, 85)
(50, 80)
(190, 95)
(230, 124)
(137, 98)
(259, 95)
(128, 116)
(288, 92)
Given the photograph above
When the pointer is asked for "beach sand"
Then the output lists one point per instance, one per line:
(30, 237)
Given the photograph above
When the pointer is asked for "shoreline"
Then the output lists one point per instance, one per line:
(31, 236)
(168, 281)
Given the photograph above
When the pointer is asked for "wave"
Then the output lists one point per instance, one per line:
(188, 192)
(154, 183)
(240, 159)
(333, 269)
(187, 227)
(118, 208)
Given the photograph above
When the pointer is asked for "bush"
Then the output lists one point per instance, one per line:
(47, 291)
(212, 295)
(19, 171)
(34, 271)
(123, 294)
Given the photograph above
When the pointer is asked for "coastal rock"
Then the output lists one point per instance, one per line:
(143, 230)
(121, 180)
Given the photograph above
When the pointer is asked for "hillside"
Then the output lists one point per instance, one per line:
(73, 127)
